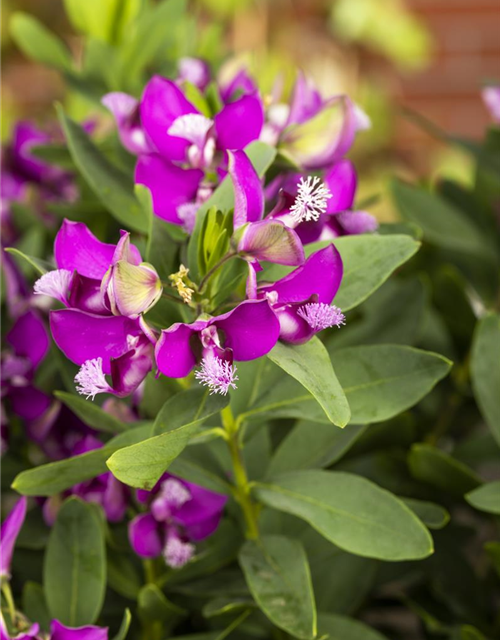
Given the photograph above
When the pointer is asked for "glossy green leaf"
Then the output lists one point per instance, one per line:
(277, 573)
(310, 365)
(312, 445)
(439, 469)
(381, 381)
(486, 498)
(261, 156)
(54, 477)
(111, 185)
(341, 507)
(441, 222)
(485, 370)
(342, 628)
(142, 464)
(91, 413)
(74, 574)
(38, 43)
(433, 515)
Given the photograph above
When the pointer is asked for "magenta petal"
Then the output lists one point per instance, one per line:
(201, 515)
(251, 329)
(239, 123)
(77, 249)
(306, 100)
(114, 501)
(293, 328)
(248, 193)
(144, 536)
(342, 181)
(162, 103)
(130, 369)
(125, 110)
(241, 83)
(170, 185)
(29, 402)
(174, 356)
(85, 294)
(356, 222)
(196, 71)
(29, 338)
(9, 532)
(59, 632)
(320, 275)
(84, 336)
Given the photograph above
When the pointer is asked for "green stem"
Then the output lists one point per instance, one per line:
(208, 276)
(242, 486)
(172, 298)
(10, 600)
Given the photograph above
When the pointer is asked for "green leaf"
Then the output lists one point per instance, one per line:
(311, 445)
(38, 43)
(277, 573)
(381, 381)
(434, 516)
(91, 414)
(437, 468)
(35, 606)
(123, 574)
(310, 364)
(123, 630)
(54, 477)
(343, 628)
(261, 156)
(485, 370)
(40, 266)
(142, 464)
(350, 511)
(440, 221)
(102, 19)
(74, 574)
(486, 498)
(368, 261)
(112, 186)
(154, 606)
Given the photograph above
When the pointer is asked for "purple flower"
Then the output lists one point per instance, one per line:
(302, 300)
(491, 98)
(11, 527)
(29, 343)
(238, 84)
(125, 110)
(320, 210)
(247, 332)
(195, 71)
(57, 632)
(104, 490)
(105, 288)
(180, 514)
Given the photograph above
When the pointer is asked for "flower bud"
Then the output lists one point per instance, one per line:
(131, 289)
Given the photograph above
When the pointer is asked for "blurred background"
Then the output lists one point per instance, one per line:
(391, 56)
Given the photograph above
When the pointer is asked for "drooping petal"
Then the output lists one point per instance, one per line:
(133, 289)
(170, 185)
(306, 100)
(125, 110)
(272, 241)
(84, 336)
(130, 369)
(85, 294)
(144, 536)
(77, 249)
(239, 123)
(9, 532)
(125, 250)
(248, 193)
(324, 138)
(320, 275)
(201, 515)
(162, 103)
(174, 354)
(342, 181)
(29, 338)
(90, 632)
(251, 329)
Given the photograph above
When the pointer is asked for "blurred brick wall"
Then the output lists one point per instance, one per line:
(467, 54)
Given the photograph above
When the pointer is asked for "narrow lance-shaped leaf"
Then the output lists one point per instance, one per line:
(310, 364)
(74, 574)
(38, 43)
(277, 573)
(350, 511)
(143, 464)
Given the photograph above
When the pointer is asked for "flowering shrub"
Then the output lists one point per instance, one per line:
(257, 436)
